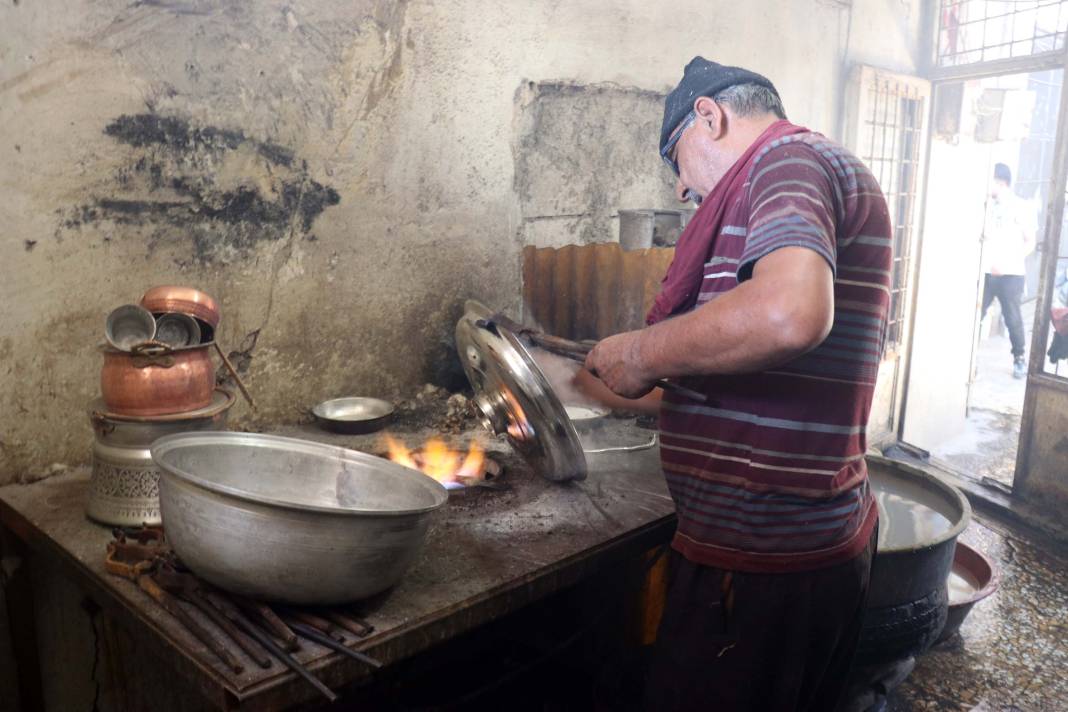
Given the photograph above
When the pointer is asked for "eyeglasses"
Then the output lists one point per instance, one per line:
(665, 152)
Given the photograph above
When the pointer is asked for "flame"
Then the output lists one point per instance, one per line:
(399, 453)
(438, 460)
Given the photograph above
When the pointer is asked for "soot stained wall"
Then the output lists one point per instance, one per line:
(340, 176)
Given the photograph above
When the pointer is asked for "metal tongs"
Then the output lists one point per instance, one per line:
(572, 350)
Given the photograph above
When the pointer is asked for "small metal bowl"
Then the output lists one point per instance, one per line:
(129, 325)
(177, 330)
(353, 416)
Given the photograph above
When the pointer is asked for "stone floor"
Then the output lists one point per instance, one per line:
(1011, 653)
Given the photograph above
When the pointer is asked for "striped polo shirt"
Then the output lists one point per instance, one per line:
(769, 475)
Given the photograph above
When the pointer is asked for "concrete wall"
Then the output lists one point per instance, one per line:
(341, 176)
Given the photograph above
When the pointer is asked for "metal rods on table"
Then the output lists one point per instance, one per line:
(256, 628)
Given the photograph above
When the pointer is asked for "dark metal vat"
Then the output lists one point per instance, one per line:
(907, 601)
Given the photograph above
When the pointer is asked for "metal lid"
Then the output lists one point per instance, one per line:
(221, 401)
(515, 399)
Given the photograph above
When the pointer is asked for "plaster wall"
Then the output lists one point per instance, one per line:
(341, 176)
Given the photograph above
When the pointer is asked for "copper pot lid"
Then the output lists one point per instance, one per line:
(221, 401)
(182, 300)
(515, 399)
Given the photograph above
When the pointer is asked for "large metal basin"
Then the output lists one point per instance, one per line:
(290, 520)
(920, 517)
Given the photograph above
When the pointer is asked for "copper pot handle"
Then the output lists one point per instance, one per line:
(151, 353)
(233, 372)
(150, 348)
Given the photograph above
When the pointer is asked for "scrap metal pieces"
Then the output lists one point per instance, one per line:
(141, 555)
(128, 560)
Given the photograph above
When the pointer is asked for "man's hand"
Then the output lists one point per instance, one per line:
(617, 362)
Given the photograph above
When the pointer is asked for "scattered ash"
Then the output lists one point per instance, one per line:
(435, 408)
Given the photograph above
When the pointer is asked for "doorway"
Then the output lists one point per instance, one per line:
(965, 393)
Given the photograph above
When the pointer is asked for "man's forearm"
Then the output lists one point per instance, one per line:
(720, 337)
(760, 324)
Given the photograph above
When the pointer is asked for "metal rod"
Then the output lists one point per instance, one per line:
(666, 385)
(320, 624)
(315, 636)
(273, 623)
(352, 625)
(233, 372)
(185, 586)
(171, 605)
(265, 640)
(244, 642)
(574, 350)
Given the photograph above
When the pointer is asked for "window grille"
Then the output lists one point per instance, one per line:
(973, 31)
(890, 141)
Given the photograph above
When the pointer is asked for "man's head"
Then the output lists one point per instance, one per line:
(710, 119)
(1002, 179)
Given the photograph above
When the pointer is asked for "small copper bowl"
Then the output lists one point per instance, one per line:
(154, 379)
(182, 300)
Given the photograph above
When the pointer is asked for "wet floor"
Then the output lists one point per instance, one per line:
(986, 445)
(985, 449)
(1011, 653)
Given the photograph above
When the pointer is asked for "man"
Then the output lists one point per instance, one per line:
(1007, 241)
(775, 306)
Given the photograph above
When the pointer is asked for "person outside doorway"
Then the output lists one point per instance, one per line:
(1007, 241)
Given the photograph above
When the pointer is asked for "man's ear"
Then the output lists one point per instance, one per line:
(712, 116)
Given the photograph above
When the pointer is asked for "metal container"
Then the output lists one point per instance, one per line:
(129, 325)
(354, 415)
(642, 229)
(154, 379)
(977, 577)
(515, 399)
(182, 300)
(185, 300)
(124, 487)
(290, 520)
(907, 600)
(177, 330)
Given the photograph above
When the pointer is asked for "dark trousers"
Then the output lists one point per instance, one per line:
(1008, 288)
(737, 641)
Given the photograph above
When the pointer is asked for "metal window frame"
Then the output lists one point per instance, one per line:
(879, 125)
(1057, 35)
(1037, 379)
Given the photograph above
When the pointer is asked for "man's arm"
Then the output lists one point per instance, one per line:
(783, 305)
(784, 310)
(594, 389)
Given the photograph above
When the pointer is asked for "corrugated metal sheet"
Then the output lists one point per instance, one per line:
(591, 291)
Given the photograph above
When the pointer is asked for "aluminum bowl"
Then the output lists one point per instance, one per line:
(129, 325)
(353, 415)
(177, 330)
(293, 521)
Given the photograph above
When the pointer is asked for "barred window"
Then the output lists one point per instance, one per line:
(888, 141)
(973, 31)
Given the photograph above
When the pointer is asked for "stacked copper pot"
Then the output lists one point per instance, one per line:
(158, 378)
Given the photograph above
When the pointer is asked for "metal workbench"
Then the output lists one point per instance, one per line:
(488, 553)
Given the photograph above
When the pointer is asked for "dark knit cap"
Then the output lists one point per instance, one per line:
(703, 78)
(1002, 173)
